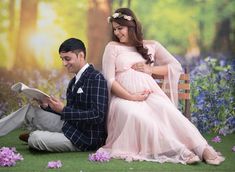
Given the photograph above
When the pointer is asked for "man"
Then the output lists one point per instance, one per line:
(80, 124)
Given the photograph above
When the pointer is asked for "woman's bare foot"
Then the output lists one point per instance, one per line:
(212, 159)
(217, 161)
(193, 159)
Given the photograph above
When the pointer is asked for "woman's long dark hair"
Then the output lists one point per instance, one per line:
(134, 31)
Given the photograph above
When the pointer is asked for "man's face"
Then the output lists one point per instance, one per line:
(71, 61)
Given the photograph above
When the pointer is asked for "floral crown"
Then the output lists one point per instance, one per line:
(120, 15)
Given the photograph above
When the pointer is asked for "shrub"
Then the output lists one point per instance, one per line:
(212, 95)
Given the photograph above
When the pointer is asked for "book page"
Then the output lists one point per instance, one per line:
(31, 93)
(18, 87)
(34, 93)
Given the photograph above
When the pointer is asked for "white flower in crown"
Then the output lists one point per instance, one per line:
(119, 15)
(115, 15)
(108, 19)
(129, 18)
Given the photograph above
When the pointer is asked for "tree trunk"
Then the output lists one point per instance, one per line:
(12, 23)
(98, 30)
(223, 32)
(193, 50)
(222, 42)
(11, 32)
(129, 4)
(25, 57)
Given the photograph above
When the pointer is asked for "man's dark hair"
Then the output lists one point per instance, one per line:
(74, 45)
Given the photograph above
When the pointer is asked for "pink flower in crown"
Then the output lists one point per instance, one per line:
(216, 139)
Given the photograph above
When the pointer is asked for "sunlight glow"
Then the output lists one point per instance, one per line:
(42, 44)
(47, 15)
(46, 40)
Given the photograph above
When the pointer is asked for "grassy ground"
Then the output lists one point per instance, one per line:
(78, 161)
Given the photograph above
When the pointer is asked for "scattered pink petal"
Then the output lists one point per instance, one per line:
(9, 156)
(216, 139)
(233, 148)
(54, 164)
(99, 156)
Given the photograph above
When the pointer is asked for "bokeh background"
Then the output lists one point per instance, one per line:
(199, 33)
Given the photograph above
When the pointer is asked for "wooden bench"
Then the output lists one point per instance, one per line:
(183, 92)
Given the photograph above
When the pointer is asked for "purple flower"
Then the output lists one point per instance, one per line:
(99, 156)
(223, 132)
(233, 148)
(9, 156)
(54, 164)
(216, 139)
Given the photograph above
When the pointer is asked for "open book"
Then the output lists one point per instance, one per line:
(31, 93)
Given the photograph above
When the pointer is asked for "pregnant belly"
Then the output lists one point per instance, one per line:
(134, 81)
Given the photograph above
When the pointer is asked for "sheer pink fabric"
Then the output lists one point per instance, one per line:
(170, 84)
(154, 129)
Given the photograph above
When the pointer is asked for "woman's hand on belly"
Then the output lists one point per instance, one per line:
(140, 96)
(142, 67)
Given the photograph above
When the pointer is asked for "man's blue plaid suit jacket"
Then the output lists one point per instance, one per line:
(85, 112)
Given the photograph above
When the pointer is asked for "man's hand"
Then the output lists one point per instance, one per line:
(142, 67)
(42, 103)
(56, 104)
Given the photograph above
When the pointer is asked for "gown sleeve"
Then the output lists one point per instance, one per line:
(170, 83)
(108, 64)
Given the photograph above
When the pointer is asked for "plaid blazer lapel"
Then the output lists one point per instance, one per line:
(69, 91)
(84, 76)
(71, 82)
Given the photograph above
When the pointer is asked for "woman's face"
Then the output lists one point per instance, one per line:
(121, 32)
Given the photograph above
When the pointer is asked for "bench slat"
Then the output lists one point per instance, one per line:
(184, 96)
(184, 86)
(184, 77)
(183, 90)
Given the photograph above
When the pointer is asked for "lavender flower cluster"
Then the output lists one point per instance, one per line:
(213, 101)
(54, 164)
(99, 156)
(9, 157)
(216, 139)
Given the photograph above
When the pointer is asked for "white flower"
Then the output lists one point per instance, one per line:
(115, 15)
(119, 15)
(108, 19)
(129, 18)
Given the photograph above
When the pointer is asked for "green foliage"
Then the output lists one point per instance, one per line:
(3, 16)
(72, 17)
(169, 22)
(172, 21)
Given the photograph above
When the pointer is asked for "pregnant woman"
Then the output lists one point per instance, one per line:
(143, 122)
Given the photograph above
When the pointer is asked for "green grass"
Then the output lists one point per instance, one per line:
(78, 161)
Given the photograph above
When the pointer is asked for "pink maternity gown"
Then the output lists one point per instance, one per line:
(154, 129)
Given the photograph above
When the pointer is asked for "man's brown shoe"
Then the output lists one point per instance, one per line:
(24, 137)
